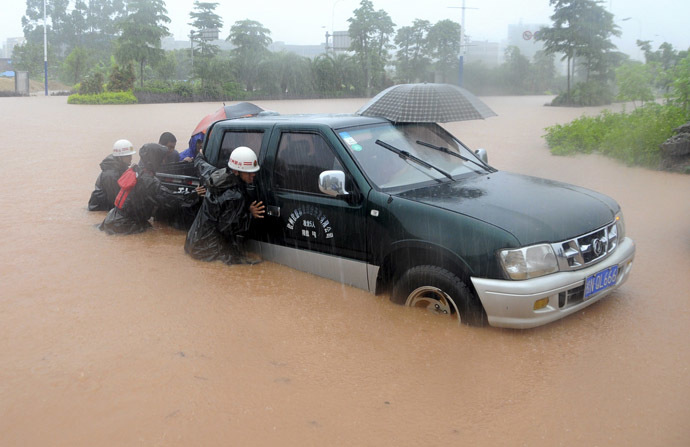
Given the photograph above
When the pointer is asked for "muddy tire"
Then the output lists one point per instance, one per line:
(440, 292)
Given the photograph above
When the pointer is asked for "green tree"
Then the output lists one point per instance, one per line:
(543, 72)
(680, 87)
(206, 24)
(142, 30)
(286, 73)
(662, 62)
(412, 60)
(29, 57)
(444, 44)
(251, 41)
(634, 81)
(370, 32)
(582, 29)
(205, 20)
(336, 75)
(515, 71)
(76, 64)
(166, 67)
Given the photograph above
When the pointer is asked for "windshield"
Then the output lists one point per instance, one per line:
(387, 169)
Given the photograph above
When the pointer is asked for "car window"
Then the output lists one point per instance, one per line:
(301, 157)
(234, 139)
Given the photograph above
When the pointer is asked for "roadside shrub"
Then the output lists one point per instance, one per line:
(590, 93)
(633, 138)
(8, 93)
(183, 89)
(92, 84)
(211, 91)
(103, 98)
(233, 90)
(157, 86)
(121, 78)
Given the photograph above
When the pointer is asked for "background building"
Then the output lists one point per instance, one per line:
(9, 46)
(521, 35)
(488, 53)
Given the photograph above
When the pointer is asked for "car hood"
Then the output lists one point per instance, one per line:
(532, 209)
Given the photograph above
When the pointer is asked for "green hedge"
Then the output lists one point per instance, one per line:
(103, 98)
(633, 138)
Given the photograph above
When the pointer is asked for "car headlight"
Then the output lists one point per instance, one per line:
(620, 223)
(529, 262)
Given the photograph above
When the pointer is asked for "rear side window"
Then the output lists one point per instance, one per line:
(300, 159)
(234, 139)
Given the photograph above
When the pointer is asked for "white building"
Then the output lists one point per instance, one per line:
(10, 43)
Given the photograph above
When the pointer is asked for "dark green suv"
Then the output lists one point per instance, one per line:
(408, 209)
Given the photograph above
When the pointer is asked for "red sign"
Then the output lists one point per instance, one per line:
(527, 35)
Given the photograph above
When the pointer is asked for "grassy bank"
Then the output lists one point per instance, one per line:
(633, 138)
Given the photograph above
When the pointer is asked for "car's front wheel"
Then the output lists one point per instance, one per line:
(439, 291)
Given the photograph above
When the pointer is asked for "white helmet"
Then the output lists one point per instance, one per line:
(243, 159)
(122, 148)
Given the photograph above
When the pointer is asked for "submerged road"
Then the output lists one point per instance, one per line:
(122, 341)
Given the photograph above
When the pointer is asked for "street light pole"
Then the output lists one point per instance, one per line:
(45, 48)
(462, 46)
(333, 26)
(191, 46)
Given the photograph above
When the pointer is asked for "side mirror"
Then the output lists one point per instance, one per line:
(332, 183)
(481, 154)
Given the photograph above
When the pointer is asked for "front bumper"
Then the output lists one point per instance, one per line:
(510, 304)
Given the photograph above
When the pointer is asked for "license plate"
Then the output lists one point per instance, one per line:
(600, 281)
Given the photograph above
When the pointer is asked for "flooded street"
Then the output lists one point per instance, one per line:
(124, 341)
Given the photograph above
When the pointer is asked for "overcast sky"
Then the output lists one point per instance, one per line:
(305, 22)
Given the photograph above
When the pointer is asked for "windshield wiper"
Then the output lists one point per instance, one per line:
(445, 150)
(407, 156)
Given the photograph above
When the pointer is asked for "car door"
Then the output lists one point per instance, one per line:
(299, 215)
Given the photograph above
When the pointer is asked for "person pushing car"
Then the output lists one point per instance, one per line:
(226, 214)
(112, 167)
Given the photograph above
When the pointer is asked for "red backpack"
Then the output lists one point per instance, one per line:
(126, 183)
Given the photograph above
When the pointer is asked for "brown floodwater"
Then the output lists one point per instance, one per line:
(124, 341)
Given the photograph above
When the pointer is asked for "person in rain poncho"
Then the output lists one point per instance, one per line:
(134, 207)
(112, 167)
(226, 214)
(194, 146)
(183, 218)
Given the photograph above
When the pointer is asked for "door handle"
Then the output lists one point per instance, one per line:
(273, 210)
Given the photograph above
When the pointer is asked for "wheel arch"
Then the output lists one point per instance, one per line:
(408, 254)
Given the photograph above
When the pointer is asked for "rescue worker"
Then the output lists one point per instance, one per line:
(226, 214)
(112, 167)
(183, 218)
(134, 207)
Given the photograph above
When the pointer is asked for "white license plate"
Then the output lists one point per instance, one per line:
(600, 281)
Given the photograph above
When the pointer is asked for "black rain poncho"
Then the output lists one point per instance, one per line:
(183, 218)
(222, 221)
(204, 169)
(147, 195)
(106, 188)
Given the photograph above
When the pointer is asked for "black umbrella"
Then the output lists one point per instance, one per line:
(426, 103)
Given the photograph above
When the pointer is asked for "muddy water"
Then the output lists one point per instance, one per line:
(127, 341)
